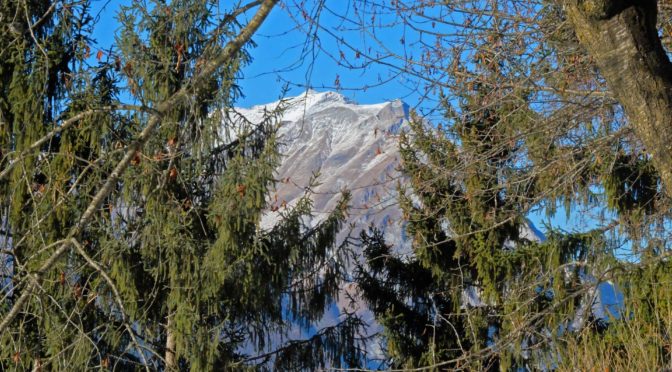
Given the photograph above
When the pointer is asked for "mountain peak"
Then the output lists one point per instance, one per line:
(312, 102)
(311, 97)
(353, 146)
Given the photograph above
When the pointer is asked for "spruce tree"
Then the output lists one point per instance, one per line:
(476, 294)
(455, 246)
(135, 235)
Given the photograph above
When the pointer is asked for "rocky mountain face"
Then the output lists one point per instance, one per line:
(352, 146)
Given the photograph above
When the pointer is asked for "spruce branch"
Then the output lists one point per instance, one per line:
(178, 98)
(117, 298)
(66, 124)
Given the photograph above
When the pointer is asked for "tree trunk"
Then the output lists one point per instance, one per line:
(171, 364)
(622, 38)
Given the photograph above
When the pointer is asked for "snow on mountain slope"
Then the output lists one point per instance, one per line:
(352, 146)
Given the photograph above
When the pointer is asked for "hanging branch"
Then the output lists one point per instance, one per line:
(178, 98)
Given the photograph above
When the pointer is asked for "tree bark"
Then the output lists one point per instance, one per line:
(171, 364)
(622, 38)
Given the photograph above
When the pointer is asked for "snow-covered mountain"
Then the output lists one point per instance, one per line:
(352, 146)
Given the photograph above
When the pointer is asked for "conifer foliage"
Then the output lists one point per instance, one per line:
(459, 222)
(475, 294)
(130, 231)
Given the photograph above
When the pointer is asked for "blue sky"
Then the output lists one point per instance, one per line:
(285, 53)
